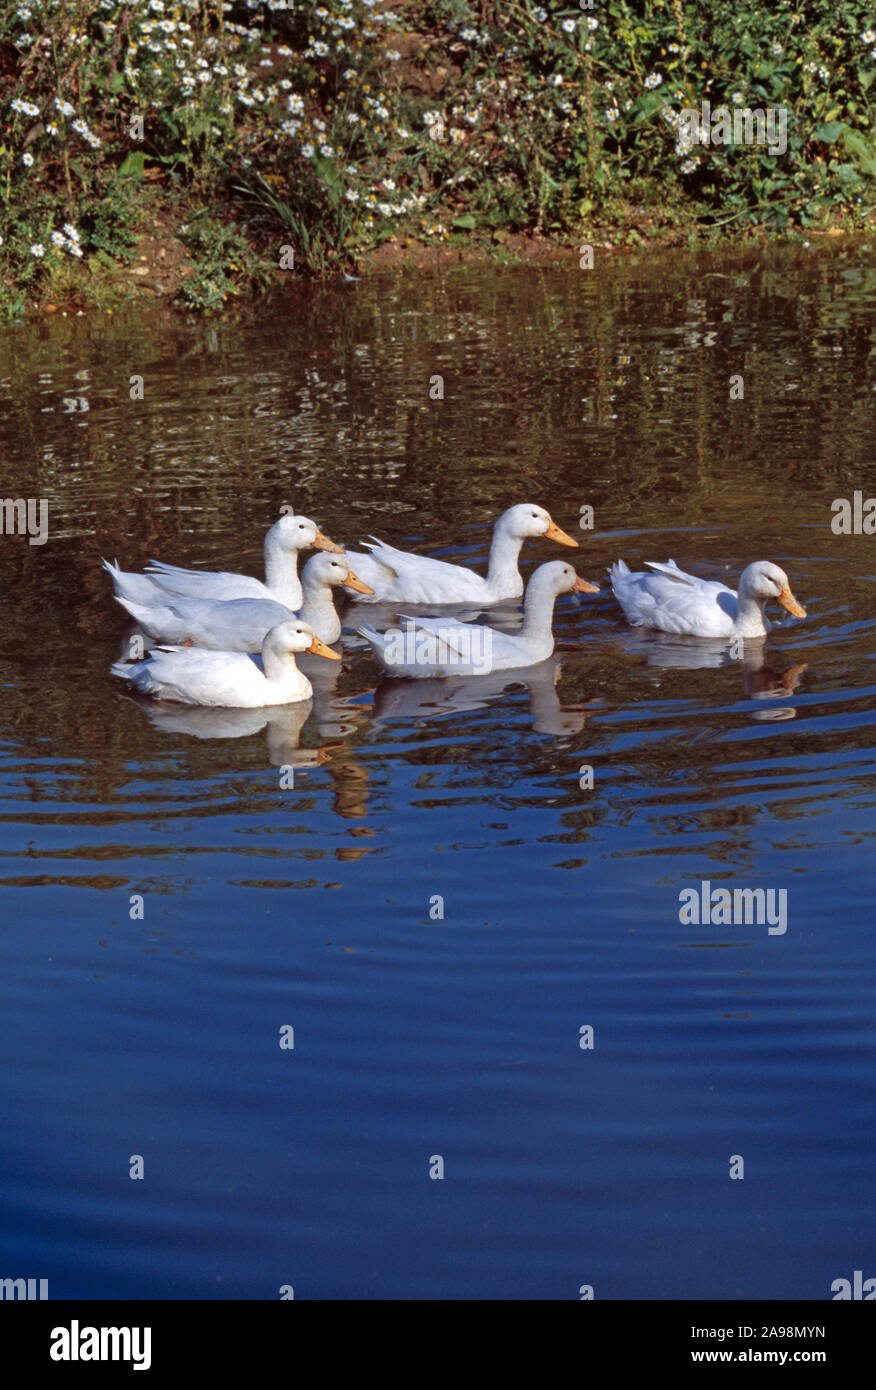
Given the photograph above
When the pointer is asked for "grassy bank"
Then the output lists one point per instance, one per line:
(201, 150)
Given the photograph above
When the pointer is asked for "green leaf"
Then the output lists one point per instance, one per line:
(467, 221)
(829, 132)
(856, 145)
(132, 167)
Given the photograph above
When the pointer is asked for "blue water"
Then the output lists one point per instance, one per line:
(420, 1036)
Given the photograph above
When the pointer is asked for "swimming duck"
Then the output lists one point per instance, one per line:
(282, 544)
(447, 647)
(233, 680)
(240, 624)
(674, 601)
(398, 576)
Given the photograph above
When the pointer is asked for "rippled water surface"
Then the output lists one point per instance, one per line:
(417, 1036)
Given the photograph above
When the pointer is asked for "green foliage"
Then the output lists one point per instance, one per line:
(331, 126)
(224, 264)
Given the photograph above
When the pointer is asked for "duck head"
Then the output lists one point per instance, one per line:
(294, 637)
(300, 533)
(764, 581)
(527, 519)
(333, 569)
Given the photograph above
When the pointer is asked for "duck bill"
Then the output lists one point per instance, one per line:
(553, 533)
(319, 648)
(321, 542)
(787, 600)
(581, 586)
(358, 585)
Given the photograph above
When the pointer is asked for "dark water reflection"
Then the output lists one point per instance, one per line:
(314, 903)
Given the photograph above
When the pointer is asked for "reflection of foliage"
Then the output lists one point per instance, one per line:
(615, 395)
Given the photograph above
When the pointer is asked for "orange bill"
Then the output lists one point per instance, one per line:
(353, 581)
(319, 648)
(553, 533)
(787, 600)
(322, 542)
(581, 586)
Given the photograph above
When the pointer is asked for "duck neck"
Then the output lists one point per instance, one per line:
(503, 570)
(318, 609)
(281, 571)
(279, 666)
(538, 614)
(750, 620)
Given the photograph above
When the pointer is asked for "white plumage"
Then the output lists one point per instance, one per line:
(674, 601)
(240, 625)
(399, 576)
(282, 585)
(233, 680)
(447, 647)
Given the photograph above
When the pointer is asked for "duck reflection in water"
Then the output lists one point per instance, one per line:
(441, 695)
(760, 680)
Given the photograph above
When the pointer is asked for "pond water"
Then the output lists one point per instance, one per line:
(417, 1036)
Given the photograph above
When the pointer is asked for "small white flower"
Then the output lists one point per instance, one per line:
(351, 195)
(393, 55)
(37, 249)
(308, 151)
(654, 79)
(568, 26)
(27, 160)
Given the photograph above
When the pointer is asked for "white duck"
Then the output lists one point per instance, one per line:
(677, 602)
(447, 647)
(240, 624)
(398, 576)
(282, 544)
(230, 679)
